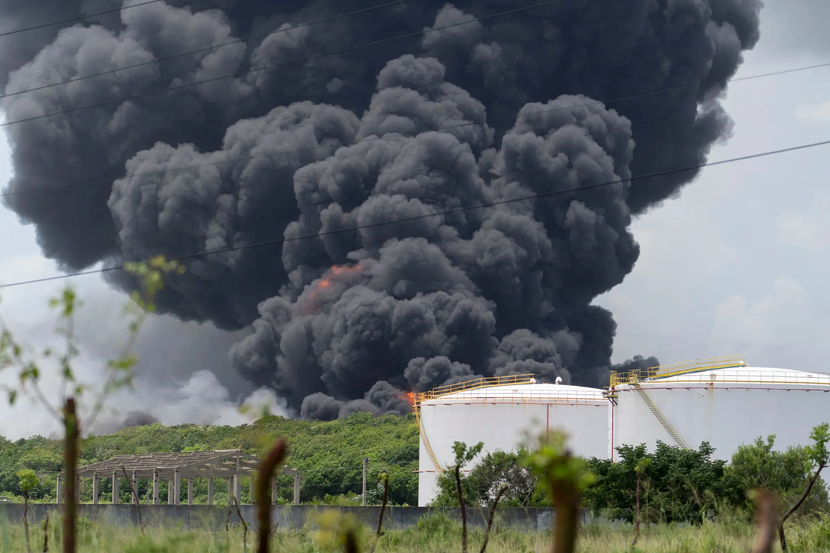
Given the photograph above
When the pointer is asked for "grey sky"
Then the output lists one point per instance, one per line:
(736, 265)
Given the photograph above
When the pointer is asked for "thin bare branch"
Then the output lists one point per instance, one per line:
(134, 493)
(806, 493)
(70, 333)
(41, 397)
(26, 519)
(492, 516)
(22, 364)
(110, 383)
(463, 509)
(379, 532)
(266, 473)
(46, 534)
(235, 502)
(70, 463)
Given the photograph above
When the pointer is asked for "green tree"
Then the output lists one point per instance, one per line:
(683, 485)
(818, 457)
(758, 466)
(28, 481)
(483, 483)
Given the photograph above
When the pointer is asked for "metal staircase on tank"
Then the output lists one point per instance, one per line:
(661, 417)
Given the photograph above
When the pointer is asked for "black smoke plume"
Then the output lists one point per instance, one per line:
(490, 110)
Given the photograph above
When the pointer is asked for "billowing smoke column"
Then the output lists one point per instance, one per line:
(490, 110)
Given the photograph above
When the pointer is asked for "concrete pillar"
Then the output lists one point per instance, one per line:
(77, 490)
(252, 490)
(177, 484)
(170, 491)
(95, 490)
(190, 491)
(210, 491)
(365, 466)
(237, 488)
(297, 488)
(59, 490)
(155, 487)
(115, 498)
(134, 488)
(230, 490)
(274, 490)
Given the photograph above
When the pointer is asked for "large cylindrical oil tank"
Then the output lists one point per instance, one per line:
(722, 401)
(502, 413)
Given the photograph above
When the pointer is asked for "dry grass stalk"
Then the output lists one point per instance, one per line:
(266, 473)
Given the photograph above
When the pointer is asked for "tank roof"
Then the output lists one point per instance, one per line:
(750, 375)
(523, 391)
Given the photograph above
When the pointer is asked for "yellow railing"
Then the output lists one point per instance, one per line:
(484, 382)
(535, 399)
(664, 371)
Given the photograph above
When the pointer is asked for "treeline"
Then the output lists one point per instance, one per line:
(329, 454)
(676, 485)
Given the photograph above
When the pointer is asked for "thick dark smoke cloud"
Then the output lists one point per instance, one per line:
(138, 418)
(346, 321)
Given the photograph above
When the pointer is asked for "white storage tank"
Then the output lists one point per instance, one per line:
(500, 412)
(722, 401)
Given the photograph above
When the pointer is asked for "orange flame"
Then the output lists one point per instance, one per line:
(409, 397)
(326, 282)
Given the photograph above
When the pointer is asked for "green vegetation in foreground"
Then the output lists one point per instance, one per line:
(438, 535)
(330, 455)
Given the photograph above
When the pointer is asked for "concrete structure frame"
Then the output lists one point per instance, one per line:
(232, 464)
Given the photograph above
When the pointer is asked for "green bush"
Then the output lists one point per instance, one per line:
(483, 482)
(781, 472)
(678, 485)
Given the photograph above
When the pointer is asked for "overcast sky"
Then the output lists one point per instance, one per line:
(736, 265)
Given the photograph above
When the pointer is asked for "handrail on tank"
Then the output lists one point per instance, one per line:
(483, 382)
(665, 371)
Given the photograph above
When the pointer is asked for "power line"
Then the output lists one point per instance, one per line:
(436, 214)
(206, 49)
(277, 65)
(443, 128)
(80, 18)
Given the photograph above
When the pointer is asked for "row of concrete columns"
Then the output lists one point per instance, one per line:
(174, 489)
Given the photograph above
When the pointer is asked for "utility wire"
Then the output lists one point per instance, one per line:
(277, 65)
(439, 129)
(80, 18)
(200, 50)
(454, 211)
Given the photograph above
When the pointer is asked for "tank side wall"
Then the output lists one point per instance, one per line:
(427, 478)
(505, 427)
(724, 417)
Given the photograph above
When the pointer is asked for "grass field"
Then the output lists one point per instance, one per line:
(436, 535)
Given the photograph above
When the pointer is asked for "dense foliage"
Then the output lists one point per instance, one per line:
(677, 485)
(483, 482)
(758, 466)
(329, 454)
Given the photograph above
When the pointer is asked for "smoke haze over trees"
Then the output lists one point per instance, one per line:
(489, 110)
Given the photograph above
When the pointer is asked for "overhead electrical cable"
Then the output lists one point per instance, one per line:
(464, 209)
(277, 65)
(272, 154)
(200, 50)
(79, 18)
